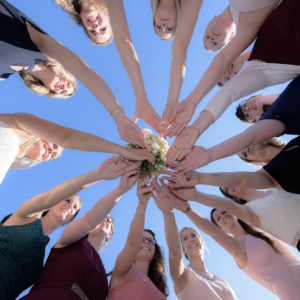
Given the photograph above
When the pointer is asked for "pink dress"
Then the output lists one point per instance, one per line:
(278, 273)
(137, 287)
(200, 288)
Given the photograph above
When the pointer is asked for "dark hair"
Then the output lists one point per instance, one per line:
(249, 229)
(240, 114)
(157, 269)
(45, 213)
(237, 200)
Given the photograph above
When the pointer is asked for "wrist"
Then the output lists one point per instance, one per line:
(188, 207)
(168, 213)
(120, 191)
(142, 206)
(120, 116)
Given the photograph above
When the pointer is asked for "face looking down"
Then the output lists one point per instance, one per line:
(43, 151)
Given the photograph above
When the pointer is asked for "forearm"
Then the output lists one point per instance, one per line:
(213, 201)
(204, 120)
(103, 207)
(172, 236)
(137, 228)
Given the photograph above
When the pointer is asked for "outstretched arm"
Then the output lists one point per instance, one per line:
(189, 12)
(126, 50)
(128, 131)
(69, 138)
(165, 202)
(134, 239)
(96, 215)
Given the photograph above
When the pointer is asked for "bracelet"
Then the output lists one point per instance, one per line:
(196, 129)
(142, 211)
(116, 108)
(122, 109)
(187, 209)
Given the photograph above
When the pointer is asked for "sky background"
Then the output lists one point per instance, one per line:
(85, 113)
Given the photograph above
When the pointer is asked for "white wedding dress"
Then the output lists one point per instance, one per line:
(9, 148)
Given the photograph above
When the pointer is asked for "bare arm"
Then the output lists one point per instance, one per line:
(66, 137)
(232, 245)
(95, 216)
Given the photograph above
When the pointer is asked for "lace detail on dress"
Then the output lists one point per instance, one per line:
(296, 239)
(78, 291)
(9, 148)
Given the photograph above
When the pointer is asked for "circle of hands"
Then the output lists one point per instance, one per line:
(176, 194)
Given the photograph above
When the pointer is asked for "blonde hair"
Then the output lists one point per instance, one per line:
(22, 161)
(73, 8)
(154, 4)
(209, 50)
(38, 86)
(199, 236)
(275, 142)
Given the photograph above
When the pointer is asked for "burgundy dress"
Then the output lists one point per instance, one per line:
(71, 273)
(278, 40)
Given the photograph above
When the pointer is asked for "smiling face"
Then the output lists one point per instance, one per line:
(257, 153)
(58, 85)
(147, 249)
(253, 107)
(65, 210)
(43, 150)
(236, 192)
(97, 24)
(192, 243)
(232, 70)
(225, 220)
(165, 20)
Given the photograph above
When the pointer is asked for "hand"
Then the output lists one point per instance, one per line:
(130, 132)
(169, 116)
(180, 179)
(180, 204)
(144, 191)
(185, 113)
(183, 143)
(163, 199)
(198, 157)
(128, 180)
(114, 167)
(185, 193)
(138, 154)
(144, 111)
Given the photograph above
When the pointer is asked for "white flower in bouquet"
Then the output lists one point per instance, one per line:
(159, 147)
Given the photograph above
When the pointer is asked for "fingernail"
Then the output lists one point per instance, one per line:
(189, 175)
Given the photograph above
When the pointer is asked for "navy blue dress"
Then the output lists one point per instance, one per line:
(16, 47)
(286, 108)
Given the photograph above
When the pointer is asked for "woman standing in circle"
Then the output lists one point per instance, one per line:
(193, 281)
(27, 140)
(140, 270)
(74, 269)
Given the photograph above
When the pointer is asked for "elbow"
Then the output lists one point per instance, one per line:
(68, 139)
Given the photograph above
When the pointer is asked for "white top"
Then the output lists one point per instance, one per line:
(253, 77)
(200, 288)
(246, 6)
(279, 215)
(9, 148)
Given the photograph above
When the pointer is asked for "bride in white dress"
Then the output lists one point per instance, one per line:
(26, 140)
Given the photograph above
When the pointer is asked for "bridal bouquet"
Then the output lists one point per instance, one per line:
(159, 147)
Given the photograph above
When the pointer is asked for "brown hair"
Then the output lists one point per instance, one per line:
(73, 8)
(38, 86)
(251, 230)
(157, 269)
(240, 113)
(46, 212)
(237, 200)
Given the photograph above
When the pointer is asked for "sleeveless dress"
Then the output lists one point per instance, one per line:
(71, 273)
(22, 252)
(137, 287)
(9, 148)
(247, 6)
(278, 273)
(17, 48)
(279, 215)
(200, 288)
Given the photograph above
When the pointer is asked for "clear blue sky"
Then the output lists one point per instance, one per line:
(84, 113)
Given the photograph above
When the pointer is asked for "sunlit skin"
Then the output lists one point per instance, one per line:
(104, 227)
(226, 221)
(43, 150)
(234, 67)
(165, 19)
(97, 24)
(192, 244)
(259, 153)
(243, 193)
(147, 250)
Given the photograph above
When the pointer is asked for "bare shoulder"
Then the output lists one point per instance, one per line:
(116, 280)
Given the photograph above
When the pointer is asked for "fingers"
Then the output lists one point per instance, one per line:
(174, 156)
(150, 158)
(131, 173)
(135, 118)
(177, 130)
(169, 178)
(167, 172)
(169, 130)
(155, 124)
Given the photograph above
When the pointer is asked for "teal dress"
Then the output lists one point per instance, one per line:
(22, 252)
